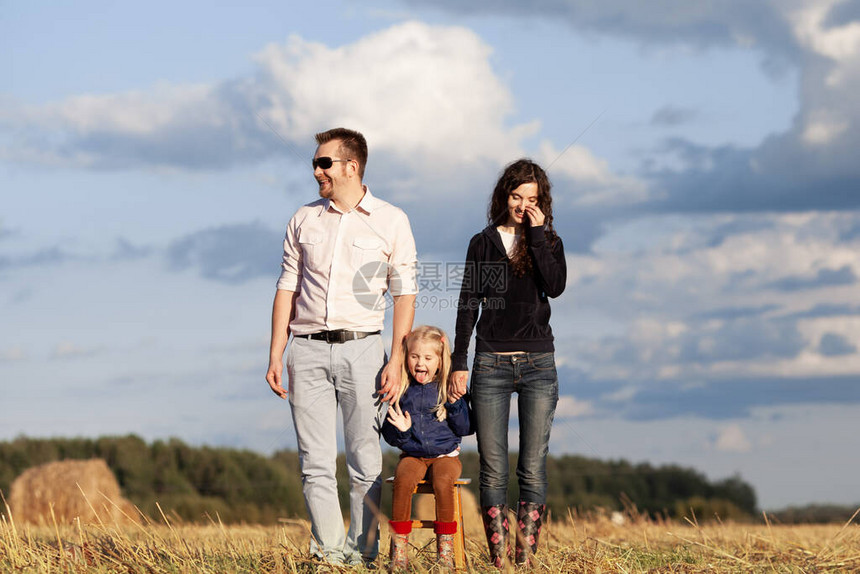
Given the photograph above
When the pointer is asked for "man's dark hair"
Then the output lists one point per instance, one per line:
(352, 145)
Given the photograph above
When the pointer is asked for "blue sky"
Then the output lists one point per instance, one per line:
(705, 184)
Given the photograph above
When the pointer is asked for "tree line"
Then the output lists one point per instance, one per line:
(191, 483)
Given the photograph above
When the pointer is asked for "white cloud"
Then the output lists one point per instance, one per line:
(816, 153)
(622, 395)
(715, 296)
(133, 113)
(12, 354)
(821, 132)
(570, 407)
(594, 184)
(732, 439)
(425, 96)
(71, 350)
(836, 42)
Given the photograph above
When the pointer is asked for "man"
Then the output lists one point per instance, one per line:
(341, 253)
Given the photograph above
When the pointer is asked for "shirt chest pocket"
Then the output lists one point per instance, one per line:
(311, 245)
(367, 250)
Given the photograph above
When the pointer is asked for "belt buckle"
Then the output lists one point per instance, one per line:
(336, 336)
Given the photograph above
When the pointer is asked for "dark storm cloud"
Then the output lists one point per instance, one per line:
(824, 278)
(737, 335)
(222, 128)
(834, 345)
(726, 179)
(53, 256)
(725, 399)
(741, 340)
(842, 14)
(785, 173)
(733, 313)
(701, 24)
(739, 225)
(222, 137)
(127, 251)
(709, 397)
(229, 253)
(215, 130)
(45, 257)
(823, 310)
(850, 233)
(671, 116)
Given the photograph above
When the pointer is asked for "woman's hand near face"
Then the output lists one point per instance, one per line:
(535, 215)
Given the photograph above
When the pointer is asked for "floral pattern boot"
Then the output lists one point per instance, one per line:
(445, 532)
(399, 554)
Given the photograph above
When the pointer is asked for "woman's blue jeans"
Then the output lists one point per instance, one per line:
(495, 378)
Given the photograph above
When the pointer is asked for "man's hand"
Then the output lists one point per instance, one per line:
(401, 322)
(282, 313)
(401, 420)
(273, 377)
(390, 379)
(457, 382)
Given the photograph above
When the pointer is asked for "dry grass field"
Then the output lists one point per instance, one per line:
(571, 544)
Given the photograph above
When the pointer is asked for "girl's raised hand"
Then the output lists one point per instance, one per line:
(401, 420)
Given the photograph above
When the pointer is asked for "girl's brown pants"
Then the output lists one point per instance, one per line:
(440, 472)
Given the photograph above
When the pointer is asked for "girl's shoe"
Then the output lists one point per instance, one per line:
(445, 532)
(399, 554)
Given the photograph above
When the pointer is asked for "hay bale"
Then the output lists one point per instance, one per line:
(56, 483)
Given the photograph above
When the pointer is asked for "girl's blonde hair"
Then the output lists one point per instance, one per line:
(435, 335)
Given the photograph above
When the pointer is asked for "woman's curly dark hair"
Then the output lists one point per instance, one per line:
(515, 174)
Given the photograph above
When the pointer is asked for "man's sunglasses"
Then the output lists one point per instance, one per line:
(326, 162)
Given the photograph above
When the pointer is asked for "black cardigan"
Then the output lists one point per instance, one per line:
(514, 310)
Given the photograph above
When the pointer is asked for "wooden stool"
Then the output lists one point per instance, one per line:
(425, 487)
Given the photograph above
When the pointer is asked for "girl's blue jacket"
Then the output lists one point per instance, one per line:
(428, 436)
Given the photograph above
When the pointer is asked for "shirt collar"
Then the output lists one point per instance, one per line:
(367, 203)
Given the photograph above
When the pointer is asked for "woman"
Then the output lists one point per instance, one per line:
(512, 268)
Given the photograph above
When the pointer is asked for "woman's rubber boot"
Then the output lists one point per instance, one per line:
(496, 528)
(399, 554)
(529, 522)
(445, 532)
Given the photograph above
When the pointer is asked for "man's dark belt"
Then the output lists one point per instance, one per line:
(337, 336)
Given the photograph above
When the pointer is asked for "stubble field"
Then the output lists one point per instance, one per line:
(570, 544)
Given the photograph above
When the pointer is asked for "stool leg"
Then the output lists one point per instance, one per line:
(460, 537)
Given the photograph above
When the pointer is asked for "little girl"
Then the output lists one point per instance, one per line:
(426, 424)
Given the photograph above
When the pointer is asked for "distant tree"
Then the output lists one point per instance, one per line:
(738, 491)
(202, 483)
(814, 514)
(698, 509)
